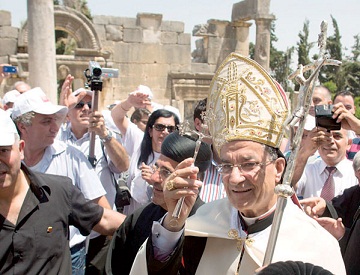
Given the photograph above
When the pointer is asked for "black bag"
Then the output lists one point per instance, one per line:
(123, 195)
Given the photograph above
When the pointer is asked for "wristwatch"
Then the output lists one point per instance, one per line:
(107, 138)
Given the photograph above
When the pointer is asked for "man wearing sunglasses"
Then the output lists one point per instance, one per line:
(245, 114)
(137, 226)
(38, 122)
(111, 157)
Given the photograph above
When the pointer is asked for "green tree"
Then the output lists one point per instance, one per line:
(332, 76)
(279, 61)
(356, 48)
(303, 46)
(303, 49)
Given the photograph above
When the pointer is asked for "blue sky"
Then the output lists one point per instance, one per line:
(290, 17)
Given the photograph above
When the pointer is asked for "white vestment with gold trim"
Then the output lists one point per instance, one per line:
(300, 239)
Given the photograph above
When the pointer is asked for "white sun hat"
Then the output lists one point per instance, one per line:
(8, 129)
(36, 100)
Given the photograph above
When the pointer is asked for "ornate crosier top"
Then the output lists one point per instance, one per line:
(245, 103)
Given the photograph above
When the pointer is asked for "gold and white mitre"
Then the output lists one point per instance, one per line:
(245, 103)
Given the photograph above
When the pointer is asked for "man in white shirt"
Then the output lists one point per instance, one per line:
(38, 121)
(246, 112)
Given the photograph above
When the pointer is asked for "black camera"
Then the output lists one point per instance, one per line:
(95, 69)
(95, 73)
(323, 118)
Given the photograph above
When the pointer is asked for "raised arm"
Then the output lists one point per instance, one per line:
(119, 112)
(114, 149)
(309, 144)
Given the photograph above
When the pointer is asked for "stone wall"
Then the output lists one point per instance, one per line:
(147, 50)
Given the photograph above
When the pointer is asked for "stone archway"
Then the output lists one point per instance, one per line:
(72, 22)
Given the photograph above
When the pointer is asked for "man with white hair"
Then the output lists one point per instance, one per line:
(341, 218)
(245, 113)
(111, 157)
(38, 121)
(9, 99)
(36, 210)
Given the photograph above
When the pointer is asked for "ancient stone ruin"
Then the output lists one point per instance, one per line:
(147, 50)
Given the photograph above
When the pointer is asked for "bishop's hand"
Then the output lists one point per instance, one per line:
(181, 183)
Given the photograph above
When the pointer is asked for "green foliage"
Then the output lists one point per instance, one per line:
(279, 61)
(335, 78)
(356, 48)
(331, 86)
(357, 105)
(303, 46)
(84, 9)
(65, 44)
(303, 49)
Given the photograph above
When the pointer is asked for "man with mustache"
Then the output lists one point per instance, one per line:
(245, 114)
(36, 210)
(137, 226)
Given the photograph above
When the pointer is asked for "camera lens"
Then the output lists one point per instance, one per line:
(97, 72)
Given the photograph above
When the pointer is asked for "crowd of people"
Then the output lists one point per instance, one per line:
(127, 191)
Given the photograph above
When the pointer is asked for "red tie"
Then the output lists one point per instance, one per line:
(328, 190)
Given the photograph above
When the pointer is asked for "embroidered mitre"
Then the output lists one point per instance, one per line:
(245, 103)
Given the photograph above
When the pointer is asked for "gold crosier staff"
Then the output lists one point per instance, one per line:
(285, 190)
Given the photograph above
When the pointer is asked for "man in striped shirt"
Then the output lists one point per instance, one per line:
(213, 188)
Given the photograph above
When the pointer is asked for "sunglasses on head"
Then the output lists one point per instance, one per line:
(81, 104)
(161, 127)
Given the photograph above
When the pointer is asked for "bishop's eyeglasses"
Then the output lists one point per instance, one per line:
(245, 168)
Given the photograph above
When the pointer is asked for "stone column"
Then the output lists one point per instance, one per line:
(262, 46)
(41, 46)
(242, 37)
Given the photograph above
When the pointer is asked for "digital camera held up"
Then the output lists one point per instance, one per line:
(323, 118)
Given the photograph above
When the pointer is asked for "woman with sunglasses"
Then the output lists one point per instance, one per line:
(144, 152)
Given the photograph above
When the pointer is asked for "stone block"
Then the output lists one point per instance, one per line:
(100, 30)
(5, 18)
(218, 27)
(172, 26)
(169, 37)
(175, 54)
(250, 9)
(151, 36)
(184, 39)
(114, 33)
(100, 20)
(150, 54)
(153, 70)
(129, 23)
(9, 32)
(202, 68)
(180, 68)
(213, 50)
(149, 20)
(8, 46)
(116, 20)
(137, 53)
(133, 35)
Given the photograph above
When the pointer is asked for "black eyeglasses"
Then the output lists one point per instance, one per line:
(81, 104)
(161, 127)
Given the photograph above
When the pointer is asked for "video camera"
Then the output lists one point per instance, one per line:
(94, 75)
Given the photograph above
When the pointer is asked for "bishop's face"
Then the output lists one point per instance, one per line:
(251, 192)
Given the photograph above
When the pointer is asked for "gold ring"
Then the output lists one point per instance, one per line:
(170, 185)
(173, 175)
